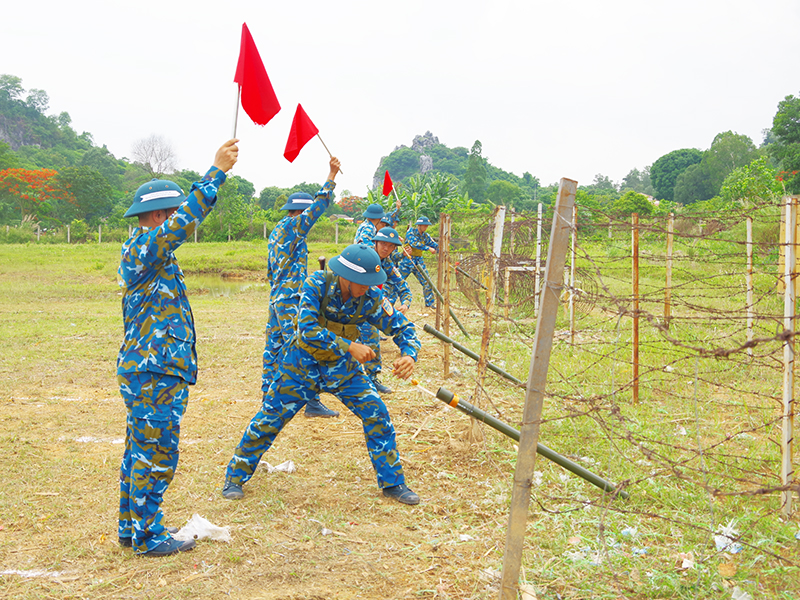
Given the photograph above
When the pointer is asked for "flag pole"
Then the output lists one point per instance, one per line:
(329, 152)
(236, 114)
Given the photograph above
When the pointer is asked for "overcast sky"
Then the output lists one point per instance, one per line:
(563, 88)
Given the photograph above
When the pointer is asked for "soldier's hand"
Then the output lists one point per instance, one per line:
(335, 166)
(403, 308)
(433, 250)
(403, 367)
(227, 155)
(361, 352)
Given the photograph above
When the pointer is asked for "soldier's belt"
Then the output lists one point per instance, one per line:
(416, 252)
(348, 331)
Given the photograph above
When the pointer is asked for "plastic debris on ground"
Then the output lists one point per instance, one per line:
(725, 539)
(740, 594)
(198, 528)
(285, 467)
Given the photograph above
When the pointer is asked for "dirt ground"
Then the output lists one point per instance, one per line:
(324, 531)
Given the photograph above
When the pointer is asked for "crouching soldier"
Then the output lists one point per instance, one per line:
(324, 356)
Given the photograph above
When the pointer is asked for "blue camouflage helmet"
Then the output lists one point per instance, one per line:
(374, 211)
(156, 194)
(387, 234)
(359, 264)
(423, 220)
(298, 201)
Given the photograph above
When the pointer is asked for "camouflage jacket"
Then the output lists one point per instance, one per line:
(374, 311)
(159, 327)
(394, 281)
(287, 263)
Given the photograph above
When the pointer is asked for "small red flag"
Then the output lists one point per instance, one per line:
(301, 132)
(387, 184)
(258, 98)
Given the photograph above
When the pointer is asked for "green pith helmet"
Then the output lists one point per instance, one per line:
(298, 201)
(387, 234)
(374, 211)
(423, 220)
(156, 194)
(360, 264)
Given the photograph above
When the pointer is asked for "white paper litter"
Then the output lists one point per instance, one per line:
(284, 467)
(724, 539)
(740, 594)
(198, 528)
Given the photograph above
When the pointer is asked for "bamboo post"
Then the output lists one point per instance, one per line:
(195, 234)
(668, 286)
(494, 260)
(99, 234)
(265, 230)
(336, 229)
(635, 261)
(787, 420)
(229, 233)
(439, 276)
(534, 394)
(68, 234)
(749, 279)
(537, 274)
(445, 226)
(507, 291)
(573, 235)
(38, 232)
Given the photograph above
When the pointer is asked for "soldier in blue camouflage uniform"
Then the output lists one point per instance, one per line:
(287, 269)
(367, 228)
(386, 241)
(419, 241)
(157, 361)
(323, 356)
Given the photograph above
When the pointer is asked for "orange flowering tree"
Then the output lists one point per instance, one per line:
(33, 191)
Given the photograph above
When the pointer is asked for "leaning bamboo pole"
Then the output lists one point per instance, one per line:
(534, 393)
(445, 224)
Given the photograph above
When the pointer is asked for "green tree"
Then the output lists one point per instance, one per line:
(664, 172)
(93, 195)
(475, 178)
(638, 181)
(703, 181)
(632, 202)
(753, 183)
(505, 192)
(246, 189)
(785, 149)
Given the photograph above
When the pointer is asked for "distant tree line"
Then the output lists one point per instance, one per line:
(51, 176)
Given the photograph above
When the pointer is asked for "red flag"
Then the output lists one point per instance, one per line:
(387, 184)
(302, 131)
(258, 98)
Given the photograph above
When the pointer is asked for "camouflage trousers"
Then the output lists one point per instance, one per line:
(298, 379)
(155, 405)
(413, 265)
(370, 336)
(280, 330)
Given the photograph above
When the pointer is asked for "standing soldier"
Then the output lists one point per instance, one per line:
(419, 241)
(366, 230)
(157, 361)
(324, 356)
(286, 270)
(386, 241)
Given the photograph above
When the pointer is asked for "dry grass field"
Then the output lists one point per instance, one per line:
(322, 532)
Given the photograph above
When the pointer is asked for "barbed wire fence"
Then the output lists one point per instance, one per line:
(692, 416)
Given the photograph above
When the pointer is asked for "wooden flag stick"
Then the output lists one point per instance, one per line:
(236, 114)
(329, 152)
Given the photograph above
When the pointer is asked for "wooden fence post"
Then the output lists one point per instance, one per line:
(635, 261)
(749, 279)
(787, 419)
(534, 394)
(668, 286)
